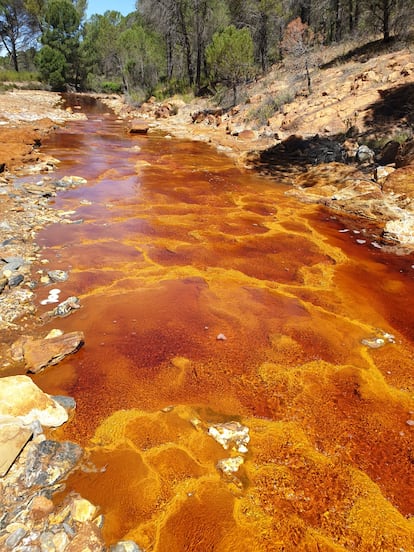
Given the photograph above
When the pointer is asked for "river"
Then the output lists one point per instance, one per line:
(209, 296)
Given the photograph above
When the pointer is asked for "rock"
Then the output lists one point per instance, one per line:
(3, 284)
(58, 275)
(125, 546)
(50, 461)
(405, 154)
(221, 337)
(247, 135)
(87, 540)
(400, 230)
(230, 465)
(374, 343)
(67, 306)
(39, 353)
(82, 510)
(231, 435)
(14, 539)
(389, 153)
(138, 126)
(364, 154)
(20, 397)
(41, 507)
(13, 437)
(15, 280)
(71, 182)
(68, 403)
(381, 173)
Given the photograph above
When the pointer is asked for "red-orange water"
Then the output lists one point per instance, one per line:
(176, 247)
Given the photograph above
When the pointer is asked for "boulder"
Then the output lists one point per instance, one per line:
(138, 126)
(389, 153)
(39, 353)
(364, 154)
(13, 437)
(20, 397)
(405, 155)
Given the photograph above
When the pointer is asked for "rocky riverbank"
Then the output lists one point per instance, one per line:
(32, 465)
(347, 146)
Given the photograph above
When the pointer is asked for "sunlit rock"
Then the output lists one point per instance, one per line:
(13, 437)
(231, 435)
(230, 466)
(20, 397)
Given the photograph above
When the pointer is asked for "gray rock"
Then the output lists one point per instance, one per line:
(15, 537)
(50, 461)
(364, 154)
(15, 280)
(68, 403)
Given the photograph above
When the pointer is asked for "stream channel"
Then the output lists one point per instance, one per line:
(209, 296)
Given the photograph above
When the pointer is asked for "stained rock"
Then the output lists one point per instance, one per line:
(41, 507)
(88, 539)
(50, 461)
(138, 126)
(20, 397)
(39, 353)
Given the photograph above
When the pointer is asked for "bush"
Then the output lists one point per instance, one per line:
(269, 107)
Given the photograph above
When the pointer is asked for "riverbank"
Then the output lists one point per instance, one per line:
(347, 146)
(33, 466)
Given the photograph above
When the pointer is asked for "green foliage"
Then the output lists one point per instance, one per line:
(142, 58)
(230, 57)
(52, 67)
(9, 75)
(58, 60)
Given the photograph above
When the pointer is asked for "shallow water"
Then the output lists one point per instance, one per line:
(176, 247)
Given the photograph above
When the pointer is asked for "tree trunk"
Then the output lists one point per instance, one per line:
(386, 19)
(308, 77)
(187, 45)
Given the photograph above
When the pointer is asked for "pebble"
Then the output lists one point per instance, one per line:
(221, 337)
(58, 275)
(15, 280)
(410, 423)
(13, 540)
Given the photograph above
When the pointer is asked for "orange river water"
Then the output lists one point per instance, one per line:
(177, 246)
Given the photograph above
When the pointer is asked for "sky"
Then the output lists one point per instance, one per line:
(101, 6)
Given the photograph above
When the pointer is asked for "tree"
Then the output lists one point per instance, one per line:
(61, 34)
(99, 50)
(384, 15)
(16, 28)
(141, 58)
(230, 57)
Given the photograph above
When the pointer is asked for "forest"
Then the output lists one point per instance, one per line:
(175, 46)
